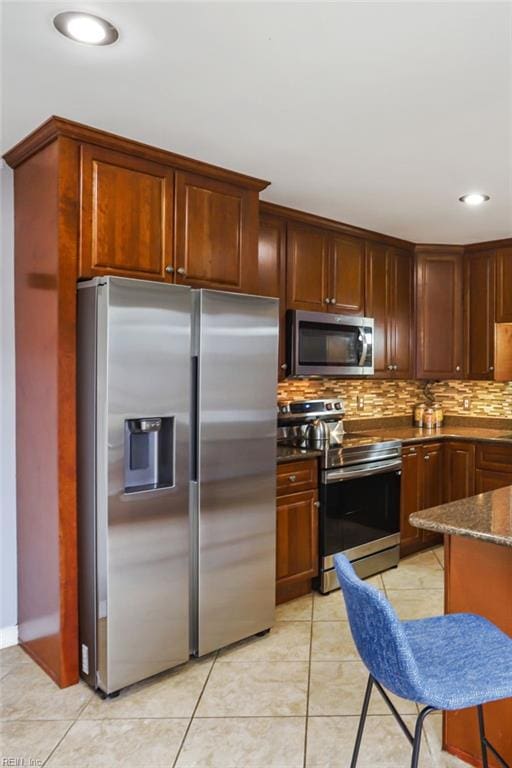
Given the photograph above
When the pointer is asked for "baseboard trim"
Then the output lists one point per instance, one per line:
(8, 636)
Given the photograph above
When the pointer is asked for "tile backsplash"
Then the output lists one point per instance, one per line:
(397, 398)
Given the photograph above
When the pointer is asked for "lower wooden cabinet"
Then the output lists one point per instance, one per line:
(410, 498)
(459, 470)
(296, 530)
(434, 473)
(493, 466)
(421, 488)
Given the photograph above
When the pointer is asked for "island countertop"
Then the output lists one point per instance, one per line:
(487, 516)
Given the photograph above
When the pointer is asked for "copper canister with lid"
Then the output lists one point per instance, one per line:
(429, 419)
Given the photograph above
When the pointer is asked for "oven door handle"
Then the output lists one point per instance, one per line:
(364, 349)
(339, 475)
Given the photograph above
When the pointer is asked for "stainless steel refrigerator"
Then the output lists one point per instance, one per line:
(176, 456)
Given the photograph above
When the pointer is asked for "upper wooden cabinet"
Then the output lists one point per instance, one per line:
(347, 275)
(439, 310)
(480, 308)
(216, 234)
(126, 223)
(489, 314)
(271, 277)
(402, 305)
(307, 268)
(389, 300)
(325, 271)
(504, 285)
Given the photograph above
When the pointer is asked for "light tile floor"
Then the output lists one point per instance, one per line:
(288, 700)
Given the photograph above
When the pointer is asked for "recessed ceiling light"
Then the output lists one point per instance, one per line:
(474, 198)
(85, 28)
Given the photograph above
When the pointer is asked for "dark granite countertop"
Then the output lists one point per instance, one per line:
(290, 453)
(487, 516)
(414, 435)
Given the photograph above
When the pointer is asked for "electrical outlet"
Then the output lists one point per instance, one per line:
(466, 403)
(360, 403)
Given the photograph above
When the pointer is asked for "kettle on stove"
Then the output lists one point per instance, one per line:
(317, 431)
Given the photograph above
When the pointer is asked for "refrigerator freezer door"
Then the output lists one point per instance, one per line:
(143, 524)
(236, 434)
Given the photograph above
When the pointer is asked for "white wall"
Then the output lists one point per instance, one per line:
(8, 586)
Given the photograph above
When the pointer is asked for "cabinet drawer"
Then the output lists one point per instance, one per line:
(487, 480)
(296, 476)
(496, 456)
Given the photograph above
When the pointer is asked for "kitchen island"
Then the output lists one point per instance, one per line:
(478, 579)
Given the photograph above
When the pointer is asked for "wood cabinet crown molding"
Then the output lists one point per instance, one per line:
(436, 248)
(56, 126)
(312, 219)
(489, 245)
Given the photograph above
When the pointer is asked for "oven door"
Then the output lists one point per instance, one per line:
(324, 344)
(360, 510)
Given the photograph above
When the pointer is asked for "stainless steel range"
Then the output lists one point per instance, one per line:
(359, 487)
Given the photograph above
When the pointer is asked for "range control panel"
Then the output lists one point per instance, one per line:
(296, 409)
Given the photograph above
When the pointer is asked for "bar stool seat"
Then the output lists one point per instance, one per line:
(462, 659)
(445, 662)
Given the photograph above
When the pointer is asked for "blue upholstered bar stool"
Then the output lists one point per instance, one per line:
(446, 662)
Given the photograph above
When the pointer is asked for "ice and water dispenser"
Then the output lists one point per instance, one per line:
(149, 446)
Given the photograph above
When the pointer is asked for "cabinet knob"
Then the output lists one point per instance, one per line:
(316, 503)
(427, 457)
(327, 301)
(284, 367)
(333, 301)
(491, 368)
(457, 367)
(395, 367)
(181, 271)
(169, 269)
(292, 478)
(390, 367)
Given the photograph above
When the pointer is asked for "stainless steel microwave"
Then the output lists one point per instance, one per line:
(324, 344)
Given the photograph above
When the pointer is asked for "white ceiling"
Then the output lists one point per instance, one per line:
(377, 114)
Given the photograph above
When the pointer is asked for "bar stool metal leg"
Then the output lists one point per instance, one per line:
(483, 743)
(362, 721)
(417, 735)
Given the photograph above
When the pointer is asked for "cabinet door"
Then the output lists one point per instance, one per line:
(504, 285)
(378, 303)
(307, 266)
(431, 470)
(126, 215)
(459, 470)
(271, 280)
(439, 315)
(346, 283)
(487, 480)
(216, 234)
(297, 537)
(432, 475)
(480, 293)
(401, 286)
(410, 498)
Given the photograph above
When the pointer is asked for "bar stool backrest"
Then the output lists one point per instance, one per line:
(378, 634)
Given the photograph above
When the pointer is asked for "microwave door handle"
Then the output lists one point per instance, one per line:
(364, 350)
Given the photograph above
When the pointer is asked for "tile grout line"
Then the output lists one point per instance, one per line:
(178, 753)
(45, 762)
(309, 679)
(73, 722)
